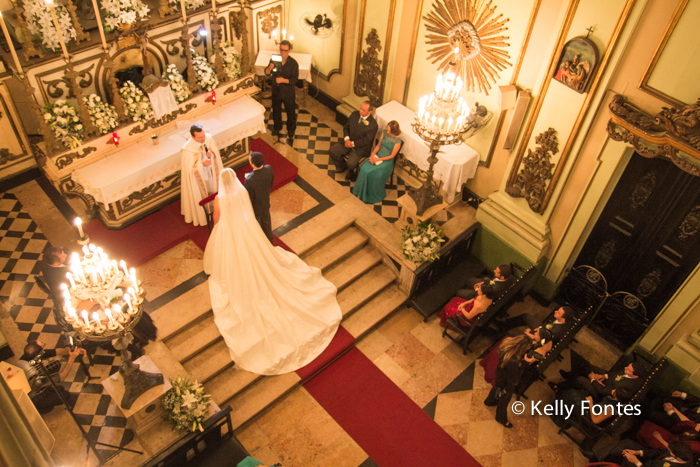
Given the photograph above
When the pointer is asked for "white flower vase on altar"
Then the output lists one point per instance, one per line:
(121, 14)
(136, 103)
(205, 74)
(177, 83)
(63, 119)
(40, 24)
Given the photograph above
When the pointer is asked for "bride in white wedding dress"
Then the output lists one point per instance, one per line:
(275, 312)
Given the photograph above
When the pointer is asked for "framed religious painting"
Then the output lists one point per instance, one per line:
(576, 63)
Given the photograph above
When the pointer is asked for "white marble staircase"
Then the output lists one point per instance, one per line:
(367, 293)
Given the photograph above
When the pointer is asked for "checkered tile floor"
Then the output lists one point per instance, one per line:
(21, 246)
(314, 139)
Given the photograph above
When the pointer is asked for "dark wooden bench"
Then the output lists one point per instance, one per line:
(215, 446)
(536, 371)
(464, 333)
(593, 432)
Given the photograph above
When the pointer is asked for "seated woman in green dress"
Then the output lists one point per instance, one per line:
(377, 170)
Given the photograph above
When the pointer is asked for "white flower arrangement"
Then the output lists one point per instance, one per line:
(137, 104)
(102, 115)
(177, 83)
(231, 59)
(40, 24)
(62, 117)
(186, 404)
(422, 243)
(119, 12)
(189, 4)
(204, 73)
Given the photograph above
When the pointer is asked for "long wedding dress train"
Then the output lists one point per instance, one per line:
(275, 312)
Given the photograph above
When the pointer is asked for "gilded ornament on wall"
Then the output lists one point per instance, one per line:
(531, 181)
(649, 283)
(367, 82)
(468, 34)
(642, 191)
(269, 19)
(690, 225)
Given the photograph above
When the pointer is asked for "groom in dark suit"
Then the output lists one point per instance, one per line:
(359, 133)
(259, 183)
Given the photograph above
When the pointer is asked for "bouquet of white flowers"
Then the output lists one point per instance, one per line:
(40, 24)
(102, 115)
(119, 12)
(186, 404)
(189, 4)
(177, 83)
(137, 104)
(422, 243)
(204, 73)
(63, 119)
(231, 59)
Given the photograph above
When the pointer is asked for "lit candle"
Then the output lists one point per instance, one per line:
(449, 125)
(441, 122)
(79, 224)
(10, 44)
(274, 34)
(108, 313)
(284, 34)
(99, 24)
(291, 37)
(92, 248)
(94, 276)
(127, 299)
(71, 315)
(122, 263)
(118, 313)
(86, 250)
(84, 314)
(58, 29)
(184, 12)
(115, 267)
(96, 319)
(132, 276)
(70, 279)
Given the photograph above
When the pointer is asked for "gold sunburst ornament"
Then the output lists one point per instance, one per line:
(468, 35)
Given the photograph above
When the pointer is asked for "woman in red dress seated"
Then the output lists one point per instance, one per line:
(469, 309)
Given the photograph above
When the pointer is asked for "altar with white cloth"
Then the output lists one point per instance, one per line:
(120, 182)
(456, 163)
(305, 61)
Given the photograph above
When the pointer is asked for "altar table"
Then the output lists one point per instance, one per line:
(305, 61)
(456, 162)
(139, 166)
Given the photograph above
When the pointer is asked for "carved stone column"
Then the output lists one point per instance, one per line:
(28, 45)
(117, 100)
(79, 32)
(185, 41)
(240, 27)
(46, 131)
(216, 37)
(72, 76)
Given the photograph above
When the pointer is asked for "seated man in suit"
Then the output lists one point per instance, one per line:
(562, 320)
(664, 409)
(677, 454)
(598, 383)
(358, 133)
(502, 278)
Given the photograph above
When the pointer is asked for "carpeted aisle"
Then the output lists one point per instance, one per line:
(384, 421)
(157, 233)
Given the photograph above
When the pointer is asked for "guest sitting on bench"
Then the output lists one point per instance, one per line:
(676, 454)
(502, 279)
(469, 309)
(599, 384)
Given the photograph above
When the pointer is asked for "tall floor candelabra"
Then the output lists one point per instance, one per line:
(442, 117)
(114, 297)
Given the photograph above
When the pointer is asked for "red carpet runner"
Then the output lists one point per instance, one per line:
(384, 421)
(144, 240)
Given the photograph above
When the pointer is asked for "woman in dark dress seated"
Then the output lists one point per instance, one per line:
(468, 309)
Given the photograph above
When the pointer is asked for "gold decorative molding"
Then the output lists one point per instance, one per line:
(464, 34)
(65, 160)
(672, 133)
(153, 123)
(644, 83)
(513, 80)
(532, 181)
(378, 96)
(585, 106)
(412, 52)
(269, 20)
(244, 84)
(369, 70)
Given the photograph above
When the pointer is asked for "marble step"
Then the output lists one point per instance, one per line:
(209, 362)
(177, 315)
(318, 231)
(374, 311)
(336, 249)
(364, 289)
(345, 272)
(259, 396)
(197, 337)
(227, 384)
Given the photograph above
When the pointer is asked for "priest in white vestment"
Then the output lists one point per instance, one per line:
(199, 176)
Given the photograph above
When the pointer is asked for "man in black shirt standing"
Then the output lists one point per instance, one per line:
(284, 80)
